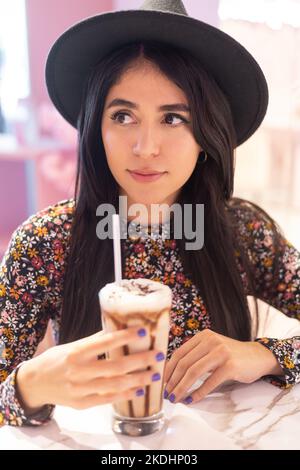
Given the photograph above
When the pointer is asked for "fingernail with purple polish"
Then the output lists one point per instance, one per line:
(141, 332)
(140, 392)
(160, 356)
(172, 398)
(165, 394)
(188, 400)
(156, 377)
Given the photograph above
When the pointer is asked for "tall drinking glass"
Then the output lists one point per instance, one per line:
(145, 303)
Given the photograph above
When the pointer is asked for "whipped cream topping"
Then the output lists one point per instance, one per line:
(135, 295)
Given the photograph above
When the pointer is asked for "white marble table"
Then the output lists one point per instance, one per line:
(237, 416)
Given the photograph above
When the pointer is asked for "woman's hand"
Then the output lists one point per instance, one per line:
(225, 358)
(72, 375)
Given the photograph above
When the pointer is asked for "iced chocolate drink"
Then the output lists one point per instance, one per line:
(145, 303)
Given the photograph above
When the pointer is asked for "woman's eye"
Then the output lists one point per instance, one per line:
(115, 117)
(177, 117)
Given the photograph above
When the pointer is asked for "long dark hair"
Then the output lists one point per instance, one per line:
(213, 268)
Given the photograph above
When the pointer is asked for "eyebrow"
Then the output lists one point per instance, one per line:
(165, 107)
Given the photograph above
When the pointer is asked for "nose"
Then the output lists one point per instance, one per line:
(146, 145)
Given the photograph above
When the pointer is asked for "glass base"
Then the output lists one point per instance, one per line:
(138, 426)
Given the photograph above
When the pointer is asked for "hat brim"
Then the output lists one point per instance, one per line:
(79, 49)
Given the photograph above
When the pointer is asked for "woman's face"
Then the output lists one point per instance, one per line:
(143, 137)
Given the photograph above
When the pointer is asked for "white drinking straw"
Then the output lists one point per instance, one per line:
(117, 248)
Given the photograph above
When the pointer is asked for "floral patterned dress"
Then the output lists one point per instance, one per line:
(31, 287)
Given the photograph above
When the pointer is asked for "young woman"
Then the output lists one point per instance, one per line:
(180, 107)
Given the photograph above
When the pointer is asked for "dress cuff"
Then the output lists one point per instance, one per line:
(14, 414)
(287, 353)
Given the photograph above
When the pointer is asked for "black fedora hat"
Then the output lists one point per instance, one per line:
(80, 47)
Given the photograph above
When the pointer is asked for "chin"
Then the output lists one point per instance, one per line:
(141, 199)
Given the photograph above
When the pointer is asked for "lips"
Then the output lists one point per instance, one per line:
(146, 176)
(146, 172)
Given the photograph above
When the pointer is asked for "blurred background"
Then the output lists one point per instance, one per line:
(38, 148)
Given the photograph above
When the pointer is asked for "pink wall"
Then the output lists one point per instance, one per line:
(46, 20)
(27, 186)
(12, 196)
(204, 10)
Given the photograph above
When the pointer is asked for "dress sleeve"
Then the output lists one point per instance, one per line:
(26, 285)
(276, 268)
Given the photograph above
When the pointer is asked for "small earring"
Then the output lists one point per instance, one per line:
(202, 157)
